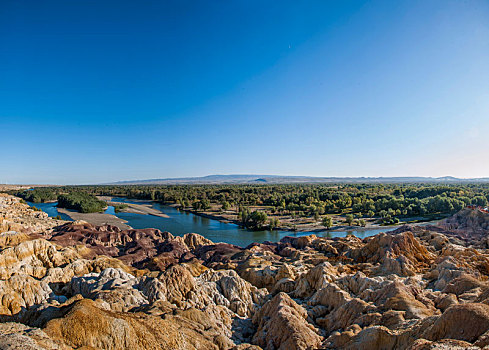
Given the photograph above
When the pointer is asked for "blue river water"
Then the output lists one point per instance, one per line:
(180, 222)
(50, 209)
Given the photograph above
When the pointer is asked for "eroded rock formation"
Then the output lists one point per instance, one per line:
(76, 285)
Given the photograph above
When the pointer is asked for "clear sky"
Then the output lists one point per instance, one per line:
(97, 91)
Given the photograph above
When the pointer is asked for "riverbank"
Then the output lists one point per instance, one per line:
(143, 208)
(291, 225)
(96, 218)
(181, 222)
(299, 226)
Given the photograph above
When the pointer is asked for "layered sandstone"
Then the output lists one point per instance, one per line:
(76, 285)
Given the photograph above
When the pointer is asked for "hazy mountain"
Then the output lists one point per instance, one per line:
(277, 179)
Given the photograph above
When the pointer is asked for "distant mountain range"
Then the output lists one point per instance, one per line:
(277, 179)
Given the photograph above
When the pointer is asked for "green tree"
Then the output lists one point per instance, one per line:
(479, 200)
(225, 206)
(243, 215)
(273, 223)
(205, 204)
(257, 219)
(349, 219)
(327, 222)
(196, 205)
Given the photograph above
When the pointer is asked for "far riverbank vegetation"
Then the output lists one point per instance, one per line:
(260, 206)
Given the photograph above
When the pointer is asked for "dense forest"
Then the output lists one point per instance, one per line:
(71, 198)
(367, 200)
(40, 195)
(81, 201)
(388, 202)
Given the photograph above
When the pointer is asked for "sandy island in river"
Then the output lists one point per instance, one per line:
(96, 218)
(143, 208)
(109, 219)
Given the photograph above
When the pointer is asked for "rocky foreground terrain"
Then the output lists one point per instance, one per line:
(80, 286)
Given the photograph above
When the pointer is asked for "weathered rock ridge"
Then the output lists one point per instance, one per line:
(76, 285)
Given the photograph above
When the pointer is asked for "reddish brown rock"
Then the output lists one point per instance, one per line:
(144, 248)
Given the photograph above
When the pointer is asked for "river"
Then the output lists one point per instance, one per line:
(50, 209)
(180, 222)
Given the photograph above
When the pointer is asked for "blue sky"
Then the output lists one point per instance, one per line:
(97, 91)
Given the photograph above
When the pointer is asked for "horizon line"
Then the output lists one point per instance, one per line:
(183, 178)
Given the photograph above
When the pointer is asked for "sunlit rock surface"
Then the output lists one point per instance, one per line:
(76, 285)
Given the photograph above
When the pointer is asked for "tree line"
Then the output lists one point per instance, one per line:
(387, 202)
(76, 199)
